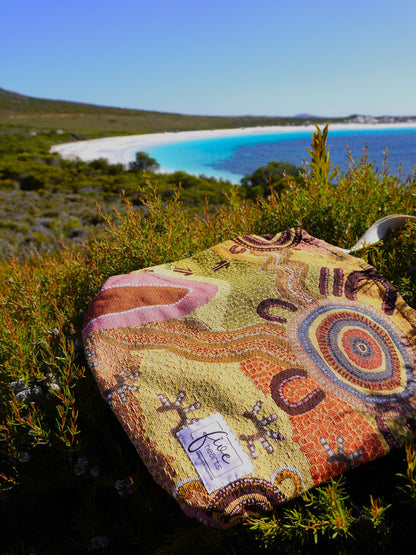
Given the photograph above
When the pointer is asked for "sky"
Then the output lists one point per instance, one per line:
(215, 57)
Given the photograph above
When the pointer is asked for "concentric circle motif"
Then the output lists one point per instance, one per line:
(355, 351)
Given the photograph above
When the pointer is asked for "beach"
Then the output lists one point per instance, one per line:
(122, 149)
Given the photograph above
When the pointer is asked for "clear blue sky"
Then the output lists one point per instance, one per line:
(225, 57)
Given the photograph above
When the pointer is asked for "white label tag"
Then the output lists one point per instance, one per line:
(215, 452)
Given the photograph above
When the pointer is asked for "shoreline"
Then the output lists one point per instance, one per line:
(122, 149)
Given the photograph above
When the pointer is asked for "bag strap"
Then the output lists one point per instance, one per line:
(378, 230)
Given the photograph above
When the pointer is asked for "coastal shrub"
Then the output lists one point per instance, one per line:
(103, 167)
(340, 212)
(183, 180)
(143, 162)
(40, 177)
(273, 176)
(71, 482)
(65, 459)
(10, 224)
(32, 181)
(26, 162)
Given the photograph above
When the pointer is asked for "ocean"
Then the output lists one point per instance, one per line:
(231, 158)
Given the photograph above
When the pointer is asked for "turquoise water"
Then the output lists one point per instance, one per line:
(233, 157)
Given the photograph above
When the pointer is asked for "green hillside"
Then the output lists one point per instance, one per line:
(18, 110)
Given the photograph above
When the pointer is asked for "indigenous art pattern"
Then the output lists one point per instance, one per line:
(307, 353)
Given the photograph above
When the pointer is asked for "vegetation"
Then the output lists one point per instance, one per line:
(276, 176)
(143, 162)
(88, 120)
(45, 200)
(320, 163)
(71, 482)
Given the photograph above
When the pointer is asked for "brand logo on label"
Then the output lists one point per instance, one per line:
(215, 452)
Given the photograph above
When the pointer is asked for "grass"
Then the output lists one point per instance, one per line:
(71, 481)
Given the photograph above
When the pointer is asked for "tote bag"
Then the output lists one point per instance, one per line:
(256, 369)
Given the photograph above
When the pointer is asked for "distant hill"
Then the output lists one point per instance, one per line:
(20, 104)
(306, 115)
(19, 110)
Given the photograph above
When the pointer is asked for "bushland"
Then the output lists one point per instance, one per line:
(71, 482)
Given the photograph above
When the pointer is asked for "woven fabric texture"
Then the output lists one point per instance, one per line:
(307, 353)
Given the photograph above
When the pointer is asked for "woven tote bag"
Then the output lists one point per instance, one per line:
(254, 370)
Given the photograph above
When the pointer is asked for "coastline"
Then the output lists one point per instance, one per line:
(122, 149)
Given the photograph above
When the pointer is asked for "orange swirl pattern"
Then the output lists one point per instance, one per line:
(207, 346)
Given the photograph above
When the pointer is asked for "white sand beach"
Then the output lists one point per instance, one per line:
(123, 149)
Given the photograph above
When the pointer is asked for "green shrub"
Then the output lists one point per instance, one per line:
(143, 162)
(276, 176)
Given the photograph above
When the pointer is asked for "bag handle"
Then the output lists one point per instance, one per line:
(378, 230)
